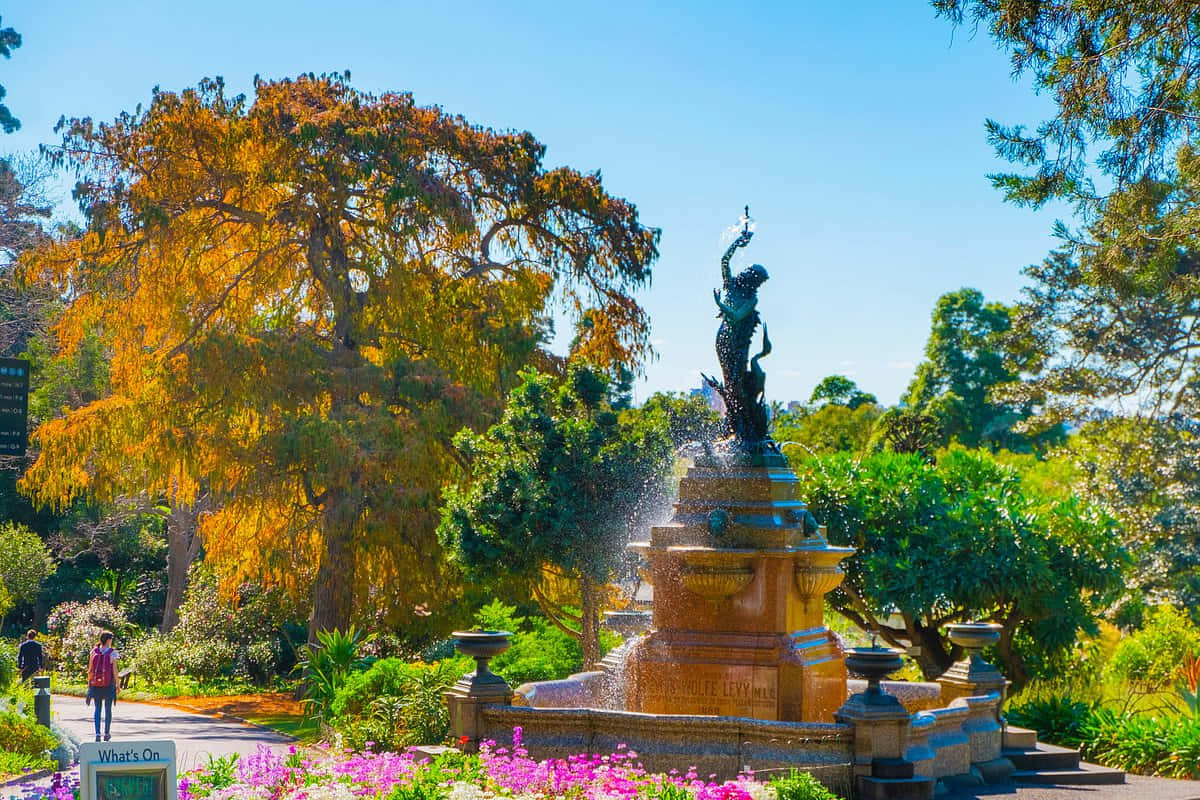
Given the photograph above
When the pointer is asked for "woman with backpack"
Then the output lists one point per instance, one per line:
(102, 682)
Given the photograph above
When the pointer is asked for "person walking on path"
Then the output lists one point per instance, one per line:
(102, 682)
(30, 656)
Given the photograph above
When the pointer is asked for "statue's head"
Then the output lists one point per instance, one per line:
(751, 277)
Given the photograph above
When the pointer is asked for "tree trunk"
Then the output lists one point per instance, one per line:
(1014, 666)
(333, 589)
(589, 629)
(933, 658)
(183, 545)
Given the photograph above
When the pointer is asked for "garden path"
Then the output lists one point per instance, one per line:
(196, 736)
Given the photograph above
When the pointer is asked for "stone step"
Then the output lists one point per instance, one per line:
(895, 788)
(1019, 738)
(1086, 775)
(1043, 757)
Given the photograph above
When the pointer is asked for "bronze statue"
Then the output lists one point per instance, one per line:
(742, 390)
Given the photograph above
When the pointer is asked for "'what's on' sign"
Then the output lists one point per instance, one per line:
(14, 406)
(132, 770)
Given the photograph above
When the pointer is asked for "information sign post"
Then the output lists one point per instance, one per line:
(14, 406)
(132, 770)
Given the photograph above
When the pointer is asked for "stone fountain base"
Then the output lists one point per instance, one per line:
(792, 677)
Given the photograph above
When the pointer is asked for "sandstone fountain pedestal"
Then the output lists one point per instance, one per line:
(739, 575)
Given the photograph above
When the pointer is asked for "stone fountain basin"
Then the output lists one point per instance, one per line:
(720, 746)
(599, 690)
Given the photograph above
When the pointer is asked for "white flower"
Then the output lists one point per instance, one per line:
(462, 790)
(759, 791)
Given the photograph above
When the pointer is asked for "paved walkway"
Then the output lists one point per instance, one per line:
(1136, 787)
(196, 736)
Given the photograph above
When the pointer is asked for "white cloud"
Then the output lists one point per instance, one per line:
(901, 365)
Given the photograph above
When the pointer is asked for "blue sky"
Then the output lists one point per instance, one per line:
(853, 130)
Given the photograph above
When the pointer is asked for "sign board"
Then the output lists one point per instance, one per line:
(131, 770)
(14, 406)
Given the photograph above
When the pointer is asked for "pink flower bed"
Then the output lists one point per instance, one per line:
(494, 773)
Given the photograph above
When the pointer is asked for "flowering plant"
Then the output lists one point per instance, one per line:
(496, 772)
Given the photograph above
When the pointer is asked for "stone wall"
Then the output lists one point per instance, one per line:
(721, 746)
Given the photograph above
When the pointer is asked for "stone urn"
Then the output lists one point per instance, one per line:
(873, 663)
(483, 646)
(974, 636)
(972, 675)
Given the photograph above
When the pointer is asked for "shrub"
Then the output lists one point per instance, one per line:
(801, 786)
(1057, 719)
(239, 636)
(539, 651)
(79, 625)
(1150, 658)
(1165, 746)
(158, 659)
(396, 703)
(19, 734)
(8, 664)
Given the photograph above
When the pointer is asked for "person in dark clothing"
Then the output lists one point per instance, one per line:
(30, 656)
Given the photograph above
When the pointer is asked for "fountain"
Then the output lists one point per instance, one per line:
(737, 668)
(741, 569)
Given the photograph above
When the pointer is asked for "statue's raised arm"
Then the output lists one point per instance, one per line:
(742, 240)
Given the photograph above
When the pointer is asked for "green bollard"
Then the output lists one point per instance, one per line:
(41, 699)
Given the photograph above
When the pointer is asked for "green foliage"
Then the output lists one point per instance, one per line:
(1121, 75)
(800, 786)
(20, 734)
(829, 429)
(8, 664)
(25, 562)
(841, 391)
(1165, 745)
(328, 664)
(966, 357)
(9, 40)
(1042, 565)
(1148, 473)
(1151, 657)
(395, 703)
(1056, 718)
(538, 651)
(688, 418)
(221, 771)
(555, 482)
(558, 481)
(216, 638)
(13, 764)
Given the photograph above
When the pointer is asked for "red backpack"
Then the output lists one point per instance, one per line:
(100, 669)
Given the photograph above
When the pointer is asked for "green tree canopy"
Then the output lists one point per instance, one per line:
(1124, 78)
(558, 481)
(25, 563)
(968, 355)
(831, 428)
(9, 40)
(1147, 472)
(959, 539)
(688, 418)
(840, 390)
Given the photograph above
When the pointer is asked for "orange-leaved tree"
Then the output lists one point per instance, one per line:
(306, 294)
